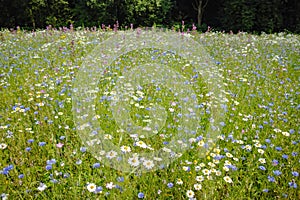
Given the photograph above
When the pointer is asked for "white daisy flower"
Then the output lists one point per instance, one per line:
(125, 149)
(141, 144)
(107, 137)
(261, 151)
(218, 173)
(3, 146)
(228, 179)
(199, 178)
(225, 168)
(179, 182)
(190, 194)
(286, 134)
(134, 161)
(197, 186)
(91, 187)
(229, 155)
(111, 154)
(206, 171)
(148, 164)
(42, 187)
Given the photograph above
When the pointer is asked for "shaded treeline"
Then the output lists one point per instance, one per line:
(235, 15)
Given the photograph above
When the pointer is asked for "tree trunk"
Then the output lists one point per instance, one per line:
(199, 13)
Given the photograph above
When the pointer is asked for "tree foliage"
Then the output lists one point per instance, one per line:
(235, 15)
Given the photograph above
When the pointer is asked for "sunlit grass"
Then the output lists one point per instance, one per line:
(256, 156)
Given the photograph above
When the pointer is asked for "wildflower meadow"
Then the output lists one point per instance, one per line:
(228, 129)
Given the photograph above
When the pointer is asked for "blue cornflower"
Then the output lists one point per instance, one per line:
(218, 157)
(119, 187)
(66, 175)
(170, 185)
(262, 167)
(295, 174)
(62, 137)
(42, 144)
(141, 195)
(99, 189)
(271, 178)
(277, 172)
(27, 149)
(285, 156)
(83, 149)
(265, 190)
(294, 154)
(268, 140)
(120, 179)
(233, 167)
(278, 148)
(21, 176)
(78, 162)
(30, 140)
(6, 170)
(96, 165)
(263, 147)
(51, 162)
(9, 167)
(199, 138)
(275, 162)
(293, 184)
(48, 167)
(54, 181)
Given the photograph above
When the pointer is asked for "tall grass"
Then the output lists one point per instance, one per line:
(256, 155)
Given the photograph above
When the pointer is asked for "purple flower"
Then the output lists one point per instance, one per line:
(42, 144)
(295, 174)
(262, 168)
(170, 185)
(66, 175)
(30, 140)
(120, 179)
(54, 181)
(83, 149)
(293, 184)
(278, 148)
(294, 154)
(99, 189)
(275, 162)
(48, 167)
(96, 165)
(51, 162)
(141, 195)
(277, 172)
(285, 156)
(21, 176)
(271, 178)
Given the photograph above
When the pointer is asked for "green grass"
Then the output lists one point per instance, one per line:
(261, 126)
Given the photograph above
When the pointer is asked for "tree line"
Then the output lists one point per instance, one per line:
(235, 15)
